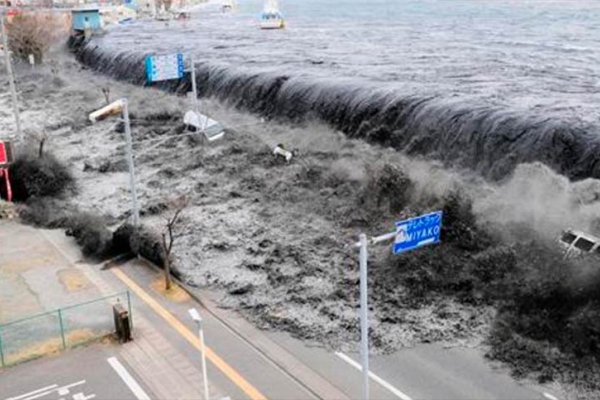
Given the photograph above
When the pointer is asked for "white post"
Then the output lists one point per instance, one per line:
(364, 315)
(204, 375)
(194, 88)
(11, 76)
(134, 200)
(196, 103)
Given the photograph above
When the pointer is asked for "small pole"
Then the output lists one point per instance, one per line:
(204, 374)
(195, 94)
(134, 199)
(364, 315)
(194, 87)
(11, 76)
(130, 314)
(1, 351)
(62, 329)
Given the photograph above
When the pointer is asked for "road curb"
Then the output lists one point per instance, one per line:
(286, 362)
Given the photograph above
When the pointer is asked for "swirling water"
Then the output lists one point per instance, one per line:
(481, 84)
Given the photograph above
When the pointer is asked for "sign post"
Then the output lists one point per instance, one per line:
(417, 232)
(121, 106)
(11, 76)
(364, 314)
(409, 234)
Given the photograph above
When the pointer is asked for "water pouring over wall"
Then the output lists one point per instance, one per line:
(486, 139)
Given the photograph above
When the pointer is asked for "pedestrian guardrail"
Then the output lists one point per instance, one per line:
(52, 331)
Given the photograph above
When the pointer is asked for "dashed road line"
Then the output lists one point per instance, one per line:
(376, 378)
(549, 396)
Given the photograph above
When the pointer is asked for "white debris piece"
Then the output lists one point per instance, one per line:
(212, 129)
(279, 150)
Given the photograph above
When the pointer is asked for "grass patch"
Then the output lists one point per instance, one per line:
(72, 279)
(176, 294)
(49, 346)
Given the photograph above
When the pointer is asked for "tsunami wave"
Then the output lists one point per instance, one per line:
(490, 141)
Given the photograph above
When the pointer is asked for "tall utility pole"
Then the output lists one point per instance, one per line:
(198, 319)
(134, 199)
(11, 76)
(122, 106)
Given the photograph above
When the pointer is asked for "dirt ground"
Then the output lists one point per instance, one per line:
(275, 237)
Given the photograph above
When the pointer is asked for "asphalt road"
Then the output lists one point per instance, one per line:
(246, 363)
(79, 374)
(424, 372)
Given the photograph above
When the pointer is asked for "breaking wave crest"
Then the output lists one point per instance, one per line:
(488, 140)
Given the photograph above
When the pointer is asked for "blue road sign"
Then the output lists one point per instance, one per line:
(164, 67)
(417, 232)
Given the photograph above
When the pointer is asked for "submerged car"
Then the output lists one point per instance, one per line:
(578, 243)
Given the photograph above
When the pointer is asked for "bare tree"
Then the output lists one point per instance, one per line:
(41, 137)
(169, 234)
(54, 67)
(34, 33)
(106, 93)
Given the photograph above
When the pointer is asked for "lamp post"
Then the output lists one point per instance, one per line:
(11, 76)
(198, 320)
(116, 107)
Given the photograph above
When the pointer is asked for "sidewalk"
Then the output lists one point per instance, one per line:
(166, 340)
(41, 271)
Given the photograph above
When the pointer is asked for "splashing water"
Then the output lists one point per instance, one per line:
(482, 85)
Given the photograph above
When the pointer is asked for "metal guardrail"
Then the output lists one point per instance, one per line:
(32, 337)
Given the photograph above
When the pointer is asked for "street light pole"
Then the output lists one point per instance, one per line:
(364, 315)
(134, 199)
(204, 375)
(198, 319)
(11, 76)
(122, 106)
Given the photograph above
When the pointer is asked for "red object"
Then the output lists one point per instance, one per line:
(6, 154)
(3, 156)
(4, 173)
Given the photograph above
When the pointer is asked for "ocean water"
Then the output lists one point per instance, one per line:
(536, 55)
(477, 83)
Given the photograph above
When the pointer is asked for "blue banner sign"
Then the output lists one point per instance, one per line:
(418, 231)
(164, 67)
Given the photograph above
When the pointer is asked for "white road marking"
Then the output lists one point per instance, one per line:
(81, 396)
(377, 379)
(61, 391)
(128, 379)
(549, 396)
(51, 387)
